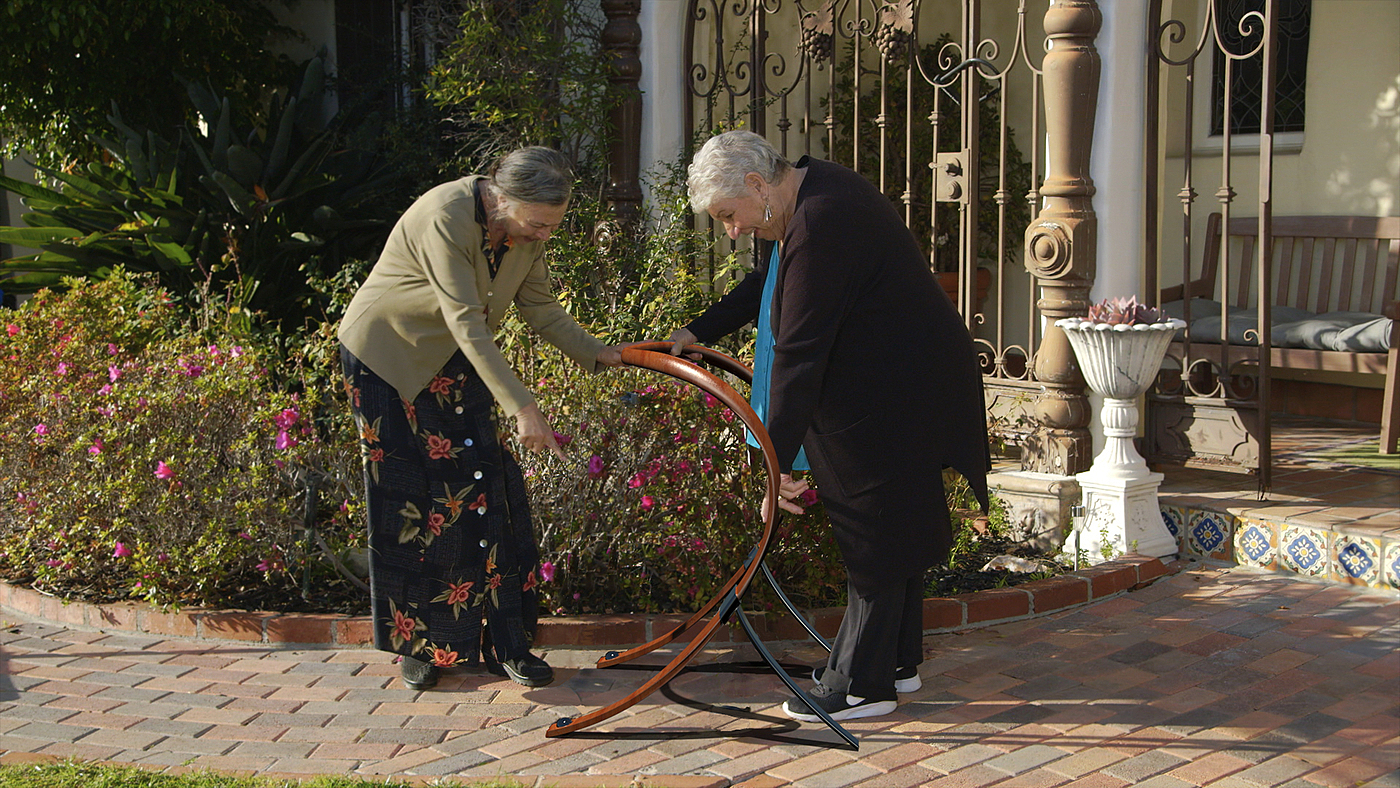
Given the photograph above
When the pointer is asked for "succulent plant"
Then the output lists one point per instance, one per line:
(1124, 311)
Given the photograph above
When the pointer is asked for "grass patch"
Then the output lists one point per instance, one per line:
(68, 774)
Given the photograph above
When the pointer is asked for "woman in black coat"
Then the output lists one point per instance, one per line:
(872, 371)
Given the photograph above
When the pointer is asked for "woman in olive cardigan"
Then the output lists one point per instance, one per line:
(872, 372)
(451, 540)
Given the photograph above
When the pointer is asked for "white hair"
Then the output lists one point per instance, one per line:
(718, 169)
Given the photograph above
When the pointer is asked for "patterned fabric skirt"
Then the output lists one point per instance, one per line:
(451, 543)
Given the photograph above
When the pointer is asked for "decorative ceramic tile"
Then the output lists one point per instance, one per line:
(1390, 568)
(1256, 544)
(1209, 534)
(1173, 518)
(1356, 560)
(1304, 550)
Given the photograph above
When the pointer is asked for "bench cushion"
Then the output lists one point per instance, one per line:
(1354, 332)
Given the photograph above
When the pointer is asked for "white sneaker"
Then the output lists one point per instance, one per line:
(906, 680)
(838, 705)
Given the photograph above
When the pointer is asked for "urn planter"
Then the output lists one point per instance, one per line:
(1120, 493)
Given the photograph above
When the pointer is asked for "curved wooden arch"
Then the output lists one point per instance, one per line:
(656, 356)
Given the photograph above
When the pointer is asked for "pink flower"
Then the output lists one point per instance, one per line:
(12, 329)
(191, 370)
(562, 440)
(236, 351)
(108, 412)
(637, 480)
(595, 465)
(647, 503)
(809, 497)
(286, 418)
(105, 390)
(111, 349)
(285, 440)
(54, 563)
(577, 596)
(164, 471)
(96, 447)
(244, 535)
(547, 571)
(41, 430)
(162, 558)
(62, 368)
(122, 551)
(114, 372)
(710, 399)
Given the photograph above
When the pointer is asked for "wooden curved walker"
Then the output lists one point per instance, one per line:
(656, 356)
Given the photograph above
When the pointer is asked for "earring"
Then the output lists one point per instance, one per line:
(767, 212)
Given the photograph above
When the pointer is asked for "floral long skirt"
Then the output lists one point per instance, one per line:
(451, 542)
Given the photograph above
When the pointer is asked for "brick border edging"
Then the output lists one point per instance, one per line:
(950, 614)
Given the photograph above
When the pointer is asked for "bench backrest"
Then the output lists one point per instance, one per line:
(1320, 263)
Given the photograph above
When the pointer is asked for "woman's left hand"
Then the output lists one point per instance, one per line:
(789, 491)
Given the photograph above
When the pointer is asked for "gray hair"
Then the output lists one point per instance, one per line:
(533, 176)
(718, 169)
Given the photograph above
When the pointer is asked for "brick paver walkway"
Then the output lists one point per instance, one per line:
(1220, 677)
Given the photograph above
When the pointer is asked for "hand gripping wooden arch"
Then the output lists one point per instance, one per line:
(656, 356)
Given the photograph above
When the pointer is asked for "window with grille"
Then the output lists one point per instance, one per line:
(1246, 77)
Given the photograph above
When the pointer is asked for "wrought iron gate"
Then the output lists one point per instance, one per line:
(885, 88)
(1211, 405)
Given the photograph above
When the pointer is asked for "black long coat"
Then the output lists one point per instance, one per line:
(873, 372)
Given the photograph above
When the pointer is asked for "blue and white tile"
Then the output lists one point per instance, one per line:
(1305, 551)
(1256, 544)
(1356, 560)
(1175, 518)
(1210, 535)
(1390, 566)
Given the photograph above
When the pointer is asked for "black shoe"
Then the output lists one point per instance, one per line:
(906, 680)
(837, 704)
(529, 670)
(417, 674)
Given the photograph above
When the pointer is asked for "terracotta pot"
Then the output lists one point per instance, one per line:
(949, 282)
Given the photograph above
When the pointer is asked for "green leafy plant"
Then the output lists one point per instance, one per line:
(239, 214)
(525, 74)
(69, 61)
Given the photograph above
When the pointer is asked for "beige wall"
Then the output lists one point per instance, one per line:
(1346, 162)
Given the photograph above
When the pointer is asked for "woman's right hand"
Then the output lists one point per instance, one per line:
(679, 339)
(534, 433)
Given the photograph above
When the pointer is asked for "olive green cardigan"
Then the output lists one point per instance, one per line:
(431, 293)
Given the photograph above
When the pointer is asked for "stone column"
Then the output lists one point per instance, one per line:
(622, 41)
(1060, 253)
(1061, 242)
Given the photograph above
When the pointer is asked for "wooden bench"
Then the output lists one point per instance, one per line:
(1320, 264)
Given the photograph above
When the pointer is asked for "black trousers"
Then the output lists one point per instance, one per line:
(881, 631)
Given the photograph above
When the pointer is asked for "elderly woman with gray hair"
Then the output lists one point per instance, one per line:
(862, 360)
(453, 558)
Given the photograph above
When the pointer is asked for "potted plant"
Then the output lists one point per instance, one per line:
(1120, 346)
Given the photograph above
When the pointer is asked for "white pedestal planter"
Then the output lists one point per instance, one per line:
(1120, 493)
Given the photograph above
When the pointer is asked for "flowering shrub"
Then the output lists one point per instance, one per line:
(658, 506)
(139, 461)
